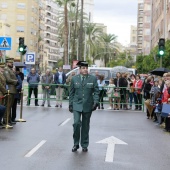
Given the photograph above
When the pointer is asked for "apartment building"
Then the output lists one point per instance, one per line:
(4, 31)
(144, 27)
(49, 50)
(140, 27)
(146, 48)
(160, 24)
(23, 18)
(133, 35)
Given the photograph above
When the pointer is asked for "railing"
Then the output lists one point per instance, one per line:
(120, 98)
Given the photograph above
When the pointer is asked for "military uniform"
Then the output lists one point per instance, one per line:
(11, 82)
(2, 87)
(83, 96)
(2, 91)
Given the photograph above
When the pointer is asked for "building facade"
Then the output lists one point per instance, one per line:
(23, 18)
(140, 27)
(160, 24)
(133, 35)
(144, 27)
(48, 46)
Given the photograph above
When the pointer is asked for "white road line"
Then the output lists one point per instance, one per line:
(29, 154)
(67, 120)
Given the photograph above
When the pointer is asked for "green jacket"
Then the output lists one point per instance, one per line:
(2, 85)
(11, 80)
(83, 96)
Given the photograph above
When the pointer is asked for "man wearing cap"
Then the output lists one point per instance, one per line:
(11, 82)
(83, 99)
(3, 91)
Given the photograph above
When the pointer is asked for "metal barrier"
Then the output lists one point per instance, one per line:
(21, 108)
(123, 91)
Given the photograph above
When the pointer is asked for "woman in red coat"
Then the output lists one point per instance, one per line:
(137, 94)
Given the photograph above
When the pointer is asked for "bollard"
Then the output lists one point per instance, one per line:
(7, 126)
(21, 109)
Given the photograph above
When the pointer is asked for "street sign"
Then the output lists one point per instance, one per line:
(66, 67)
(111, 141)
(30, 58)
(5, 43)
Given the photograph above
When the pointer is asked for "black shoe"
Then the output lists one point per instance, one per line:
(75, 147)
(36, 104)
(56, 105)
(102, 107)
(49, 105)
(84, 149)
(42, 105)
(60, 106)
(1, 124)
(12, 123)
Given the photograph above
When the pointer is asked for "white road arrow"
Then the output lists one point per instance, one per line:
(111, 141)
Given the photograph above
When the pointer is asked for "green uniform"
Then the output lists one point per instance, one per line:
(11, 82)
(83, 95)
(2, 87)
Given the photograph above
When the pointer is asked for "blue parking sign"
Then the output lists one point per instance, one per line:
(30, 58)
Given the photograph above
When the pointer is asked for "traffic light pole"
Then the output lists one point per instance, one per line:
(161, 62)
(21, 57)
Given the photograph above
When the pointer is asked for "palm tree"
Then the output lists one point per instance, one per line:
(107, 40)
(93, 34)
(64, 3)
(81, 32)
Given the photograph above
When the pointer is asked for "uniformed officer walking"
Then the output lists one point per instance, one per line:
(83, 99)
(3, 91)
(11, 82)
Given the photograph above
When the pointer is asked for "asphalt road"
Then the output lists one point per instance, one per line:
(50, 131)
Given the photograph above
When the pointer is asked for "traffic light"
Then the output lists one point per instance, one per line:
(161, 45)
(22, 47)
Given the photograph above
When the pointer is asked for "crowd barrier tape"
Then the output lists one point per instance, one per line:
(124, 94)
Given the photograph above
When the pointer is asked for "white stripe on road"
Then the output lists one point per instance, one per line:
(29, 154)
(67, 120)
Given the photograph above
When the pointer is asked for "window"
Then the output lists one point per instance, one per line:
(17, 40)
(21, 5)
(147, 31)
(20, 17)
(20, 29)
(4, 5)
(3, 17)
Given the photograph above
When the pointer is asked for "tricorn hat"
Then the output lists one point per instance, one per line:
(2, 65)
(10, 60)
(82, 63)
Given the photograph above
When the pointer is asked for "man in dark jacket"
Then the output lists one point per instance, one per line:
(33, 79)
(60, 80)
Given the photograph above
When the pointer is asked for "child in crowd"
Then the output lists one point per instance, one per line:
(110, 91)
(155, 93)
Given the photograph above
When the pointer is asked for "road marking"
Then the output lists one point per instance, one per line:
(67, 120)
(111, 141)
(29, 154)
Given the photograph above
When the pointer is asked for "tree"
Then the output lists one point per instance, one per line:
(107, 40)
(81, 32)
(64, 3)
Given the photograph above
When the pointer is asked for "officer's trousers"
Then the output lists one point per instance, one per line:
(8, 107)
(81, 128)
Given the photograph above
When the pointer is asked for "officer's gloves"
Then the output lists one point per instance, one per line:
(71, 108)
(94, 106)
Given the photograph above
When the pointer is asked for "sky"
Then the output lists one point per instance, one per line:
(118, 16)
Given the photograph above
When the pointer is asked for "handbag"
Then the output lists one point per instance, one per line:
(116, 94)
(165, 110)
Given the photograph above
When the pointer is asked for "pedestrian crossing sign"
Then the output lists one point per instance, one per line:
(5, 43)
